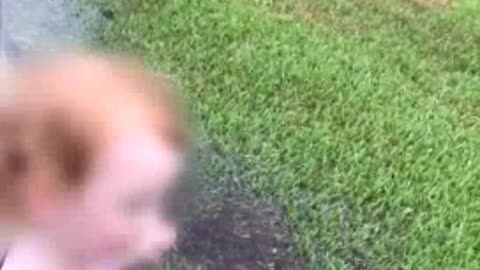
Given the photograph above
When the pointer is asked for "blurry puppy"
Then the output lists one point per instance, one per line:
(90, 149)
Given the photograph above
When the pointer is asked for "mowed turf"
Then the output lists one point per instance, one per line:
(362, 118)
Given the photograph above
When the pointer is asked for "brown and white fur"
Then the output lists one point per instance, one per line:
(90, 146)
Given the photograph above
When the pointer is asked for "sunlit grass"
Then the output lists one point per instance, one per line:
(360, 117)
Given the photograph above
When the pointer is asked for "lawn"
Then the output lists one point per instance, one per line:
(361, 118)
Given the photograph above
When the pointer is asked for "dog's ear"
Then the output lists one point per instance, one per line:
(13, 160)
(13, 164)
(57, 156)
(68, 148)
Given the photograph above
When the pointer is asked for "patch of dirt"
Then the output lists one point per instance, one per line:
(238, 233)
(224, 226)
(233, 231)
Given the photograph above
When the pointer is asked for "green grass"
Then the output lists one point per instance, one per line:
(360, 117)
